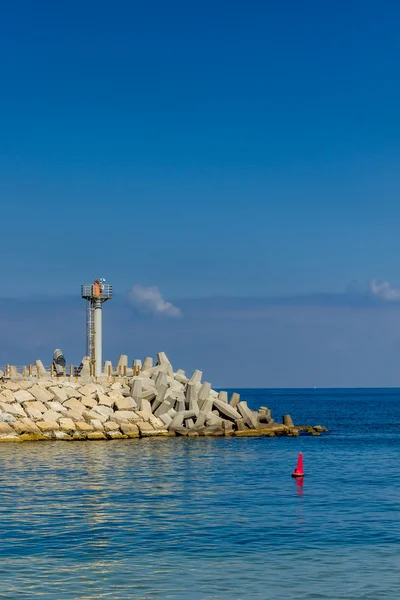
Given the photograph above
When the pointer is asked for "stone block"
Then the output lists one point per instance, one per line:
(23, 396)
(59, 393)
(137, 365)
(96, 424)
(143, 415)
(287, 420)
(12, 408)
(108, 368)
(201, 420)
(235, 399)
(162, 358)
(189, 423)
(40, 393)
(223, 396)
(129, 415)
(130, 429)
(227, 426)
(121, 363)
(156, 422)
(12, 438)
(147, 363)
(25, 385)
(118, 419)
(160, 396)
(7, 418)
(163, 367)
(72, 392)
(192, 397)
(161, 379)
(25, 426)
(106, 411)
(240, 424)
(56, 406)
(264, 415)
(35, 405)
(74, 404)
(188, 414)
(18, 427)
(175, 385)
(136, 390)
(12, 386)
(206, 405)
(164, 407)
(33, 414)
(51, 416)
(181, 431)
(145, 405)
(248, 415)
(166, 419)
(84, 368)
(46, 426)
(105, 400)
(196, 377)
(226, 409)
(96, 435)
(213, 430)
(68, 384)
(79, 436)
(41, 371)
(204, 391)
(66, 424)
(75, 415)
(90, 415)
(31, 427)
(180, 404)
(149, 395)
(111, 426)
(5, 428)
(176, 422)
(115, 393)
(7, 396)
(83, 426)
(88, 390)
(88, 401)
(146, 429)
(212, 419)
(125, 403)
(116, 435)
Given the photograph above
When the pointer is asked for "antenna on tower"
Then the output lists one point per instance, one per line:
(95, 294)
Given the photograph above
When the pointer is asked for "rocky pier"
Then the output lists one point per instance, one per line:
(137, 402)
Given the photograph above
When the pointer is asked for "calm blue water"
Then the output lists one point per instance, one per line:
(211, 518)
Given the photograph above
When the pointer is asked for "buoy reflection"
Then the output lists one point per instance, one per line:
(299, 485)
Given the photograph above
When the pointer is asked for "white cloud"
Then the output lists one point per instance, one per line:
(149, 300)
(384, 290)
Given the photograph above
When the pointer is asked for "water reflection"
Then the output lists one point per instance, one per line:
(176, 518)
(299, 485)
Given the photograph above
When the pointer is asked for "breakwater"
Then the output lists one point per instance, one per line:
(143, 401)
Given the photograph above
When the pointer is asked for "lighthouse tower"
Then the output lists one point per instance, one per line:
(95, 294)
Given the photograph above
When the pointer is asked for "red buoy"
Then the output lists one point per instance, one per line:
(299, 472)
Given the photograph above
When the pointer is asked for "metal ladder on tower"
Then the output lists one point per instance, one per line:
(89, 330)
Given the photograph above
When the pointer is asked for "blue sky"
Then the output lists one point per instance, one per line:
(235, 149)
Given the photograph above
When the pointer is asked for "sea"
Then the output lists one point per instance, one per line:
(206, 518)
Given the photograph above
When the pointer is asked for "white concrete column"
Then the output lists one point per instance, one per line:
(97, 322)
